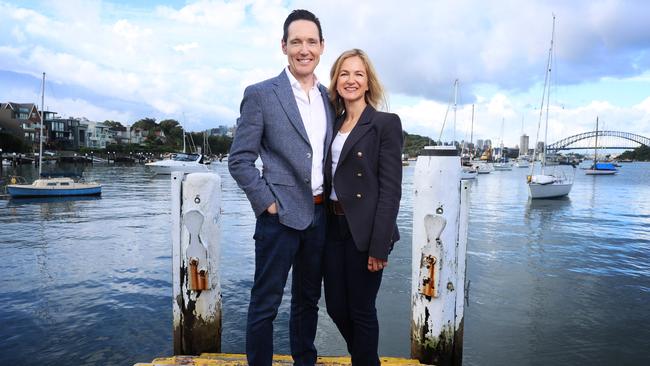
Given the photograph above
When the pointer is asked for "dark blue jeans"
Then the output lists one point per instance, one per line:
(350, 293)
(277, 249)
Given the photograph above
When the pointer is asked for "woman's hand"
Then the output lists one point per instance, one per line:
(375, 265)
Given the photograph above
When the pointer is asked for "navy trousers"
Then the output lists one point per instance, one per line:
(277, 249)
(350, 293)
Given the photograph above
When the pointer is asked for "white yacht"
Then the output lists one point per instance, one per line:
(180, 162)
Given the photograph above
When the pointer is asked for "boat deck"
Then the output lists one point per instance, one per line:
(226, 359)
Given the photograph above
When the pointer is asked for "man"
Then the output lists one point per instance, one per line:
(287, 122)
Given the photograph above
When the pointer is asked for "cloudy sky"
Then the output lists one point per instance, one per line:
(191, 60)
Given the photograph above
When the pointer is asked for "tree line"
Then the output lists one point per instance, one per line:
(172, 139)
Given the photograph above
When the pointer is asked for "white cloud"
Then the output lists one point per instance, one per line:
(185, 47)
(196, 59)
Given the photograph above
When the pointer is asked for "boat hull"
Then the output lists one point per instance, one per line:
(167, 169)
(600, 172)
(551, 190)
(27, 191)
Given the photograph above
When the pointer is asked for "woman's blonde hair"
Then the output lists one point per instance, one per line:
(375, 94)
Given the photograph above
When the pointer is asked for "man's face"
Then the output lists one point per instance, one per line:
(303, 48)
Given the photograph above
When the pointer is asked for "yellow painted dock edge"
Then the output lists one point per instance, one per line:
(227, 359)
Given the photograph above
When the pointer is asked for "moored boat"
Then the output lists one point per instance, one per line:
(54, 187)
(51, 187)
(181, 162)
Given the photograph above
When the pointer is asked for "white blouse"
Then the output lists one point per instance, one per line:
(337, 146)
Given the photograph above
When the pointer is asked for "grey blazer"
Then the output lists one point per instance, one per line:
(270, 127)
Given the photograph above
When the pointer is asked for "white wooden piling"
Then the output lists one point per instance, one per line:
(196, 212)
(440, 216)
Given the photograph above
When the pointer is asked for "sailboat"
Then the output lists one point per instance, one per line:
(467, 170)
(51, 187)
(600, 168)
(502, 163)
(544, 184)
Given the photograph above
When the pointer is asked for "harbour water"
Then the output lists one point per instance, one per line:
(88, 281)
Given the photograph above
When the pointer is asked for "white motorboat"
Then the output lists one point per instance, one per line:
(180, 162)
(483, 168)
(502, 166)
(522, 163)
(468, 172)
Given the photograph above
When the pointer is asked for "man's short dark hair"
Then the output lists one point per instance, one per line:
(301, 14)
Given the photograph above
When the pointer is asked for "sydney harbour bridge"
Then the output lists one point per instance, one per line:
(607, 140)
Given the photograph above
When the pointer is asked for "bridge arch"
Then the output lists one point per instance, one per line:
(569, 143)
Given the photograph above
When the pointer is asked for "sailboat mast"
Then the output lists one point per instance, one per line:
(596, 145)
(40, 138)
(471, 134)
(455, 107)
(548, 92)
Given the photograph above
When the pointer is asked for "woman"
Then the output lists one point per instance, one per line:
(363, 172)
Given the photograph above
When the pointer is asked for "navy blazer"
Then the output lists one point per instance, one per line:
(270, 127)
(368, 180)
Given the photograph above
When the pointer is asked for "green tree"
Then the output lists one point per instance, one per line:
(10, 143)
(148, 124)
(113, 124)
(641, 153)
(413, 144)
(173, 131)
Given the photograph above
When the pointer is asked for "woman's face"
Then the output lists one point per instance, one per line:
(352, 80)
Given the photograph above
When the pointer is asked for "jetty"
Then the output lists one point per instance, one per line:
(226, 359)
(438, 291)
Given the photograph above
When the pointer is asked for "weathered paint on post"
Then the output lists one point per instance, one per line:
(196, 211)
(439, 234)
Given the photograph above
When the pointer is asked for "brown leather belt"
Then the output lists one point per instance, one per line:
(318, 199)
(336, 208)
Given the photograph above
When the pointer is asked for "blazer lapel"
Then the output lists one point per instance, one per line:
(329, 116)
(363, 125)
(288, 101)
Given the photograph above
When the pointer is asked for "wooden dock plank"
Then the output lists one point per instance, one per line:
(229, 359)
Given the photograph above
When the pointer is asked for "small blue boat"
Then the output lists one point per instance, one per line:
(601, 169)
(54, 187)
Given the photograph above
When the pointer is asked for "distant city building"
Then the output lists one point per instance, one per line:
(480, 144)
(222, 130)
(487, 144)
(523, 144)
(540, 149)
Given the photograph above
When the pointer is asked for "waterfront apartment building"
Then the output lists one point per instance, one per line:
(64, 133)
(21, 120)
(98, 134)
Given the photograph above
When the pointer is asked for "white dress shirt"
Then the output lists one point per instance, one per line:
(337, 146)
(312, 112)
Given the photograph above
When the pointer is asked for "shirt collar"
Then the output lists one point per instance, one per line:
(295, 83)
